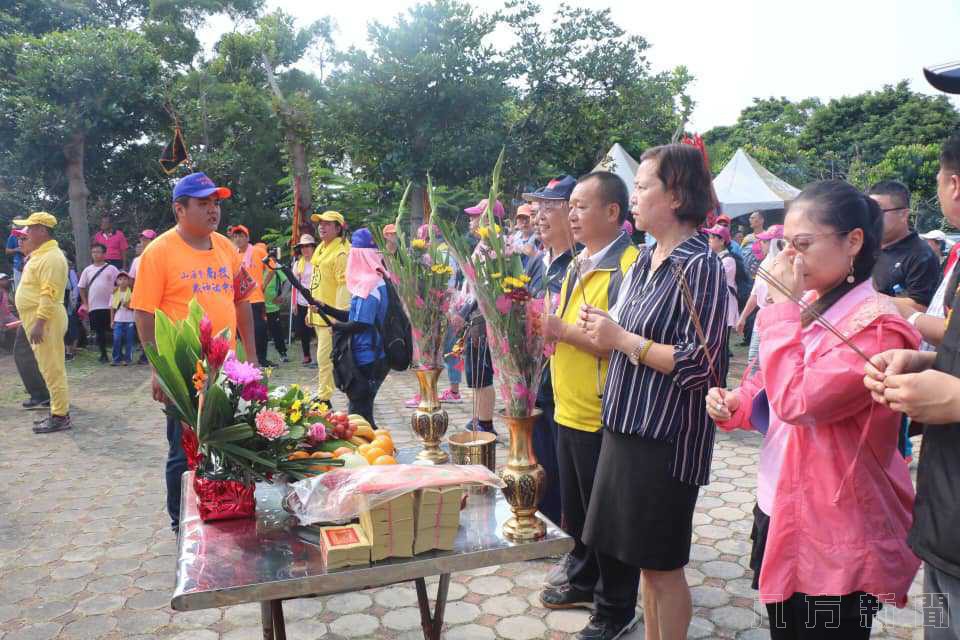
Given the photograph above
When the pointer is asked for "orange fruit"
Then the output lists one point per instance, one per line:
(321, 454)
(385, 459)
(362, 449)
(298, 455)
(373, 453)
(342, 451)
(385, 442)
(381, 432)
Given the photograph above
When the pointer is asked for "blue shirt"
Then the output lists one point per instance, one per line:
(372, 310)
(13, 243)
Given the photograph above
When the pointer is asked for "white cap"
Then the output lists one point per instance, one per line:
(936, 234)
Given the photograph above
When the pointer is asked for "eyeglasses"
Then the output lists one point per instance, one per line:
(804, 241)
(553, 205)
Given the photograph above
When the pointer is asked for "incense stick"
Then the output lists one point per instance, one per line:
(804, 306)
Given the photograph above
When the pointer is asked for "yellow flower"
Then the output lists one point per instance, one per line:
(295, 417)
(296, 405)
(418, 244)
(512, 282)
(496, 275)
(442, 246)
(483, 232)
(525, 278)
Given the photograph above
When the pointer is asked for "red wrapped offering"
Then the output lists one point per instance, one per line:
(224, 499)
(191, 447)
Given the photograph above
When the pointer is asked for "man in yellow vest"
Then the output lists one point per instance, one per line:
(598, 206)
(39, 300)
(328, 285)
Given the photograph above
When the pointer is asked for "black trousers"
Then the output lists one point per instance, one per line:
(259, 310)
(545, 448)
(304, 332)
(362, 396)
(100, 323)
(577, 455)
(279, 336)
(27, 367)
(805, 617)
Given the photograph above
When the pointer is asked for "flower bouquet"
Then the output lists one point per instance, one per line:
(518, 352)
(236, 430)
(421, 271)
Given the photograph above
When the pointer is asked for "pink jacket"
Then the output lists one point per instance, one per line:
(843, 499)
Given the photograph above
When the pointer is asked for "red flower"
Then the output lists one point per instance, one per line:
(206, 334)
(219, 348)
(519, 295)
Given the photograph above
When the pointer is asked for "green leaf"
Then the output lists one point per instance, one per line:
(332, 445)
(216, 410)
(240, 452)
(194, 316)
(172, 383)
(232, 433)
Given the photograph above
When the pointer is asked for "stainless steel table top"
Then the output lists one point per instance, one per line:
(255, 560)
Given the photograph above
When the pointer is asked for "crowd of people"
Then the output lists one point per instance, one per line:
(852, 347)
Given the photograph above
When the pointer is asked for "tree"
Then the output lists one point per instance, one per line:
(76, 96)
(584, 84)
(431, 95)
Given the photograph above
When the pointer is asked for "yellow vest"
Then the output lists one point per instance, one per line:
(574, 372)
(328, 283)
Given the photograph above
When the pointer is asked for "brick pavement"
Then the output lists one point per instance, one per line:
(85, 550)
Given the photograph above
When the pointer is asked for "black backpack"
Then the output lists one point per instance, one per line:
(396, 332)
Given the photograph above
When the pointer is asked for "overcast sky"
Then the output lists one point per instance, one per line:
(739, 49)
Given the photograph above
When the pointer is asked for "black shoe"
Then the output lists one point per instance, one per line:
(115, 363)
(143, 360)
(565, 597)
(267, 363)
(32, 404)
(560, 574)
(605, 629)
(53, 423)
(69, 356)
(104, 358)
(284, 358)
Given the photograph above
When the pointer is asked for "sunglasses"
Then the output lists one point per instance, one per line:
(801, 243)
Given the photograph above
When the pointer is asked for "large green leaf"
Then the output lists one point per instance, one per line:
(233, 433)
(216, 411)
(172, 383)
(240, 452)
(194, 316)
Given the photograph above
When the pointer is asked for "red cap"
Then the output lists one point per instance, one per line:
(238, 228)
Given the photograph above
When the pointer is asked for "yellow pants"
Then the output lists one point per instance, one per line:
(325, 386)
(49, 355)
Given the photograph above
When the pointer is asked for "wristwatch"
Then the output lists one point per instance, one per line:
(913, 317)
(636, 356)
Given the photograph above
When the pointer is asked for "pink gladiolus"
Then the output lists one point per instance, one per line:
(206, 335)
(217, 354)
(468, 271)
(254, 392)
(318, 432)
(420, 303)
(535, 306)
(271, 425)
(427, 260)
(503, 304)
(417, 334)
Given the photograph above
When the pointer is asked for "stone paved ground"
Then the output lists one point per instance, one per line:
(85, 549)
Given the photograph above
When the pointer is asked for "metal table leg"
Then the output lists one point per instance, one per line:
(271, 617)
(432, 623)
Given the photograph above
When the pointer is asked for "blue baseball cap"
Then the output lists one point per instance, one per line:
(198, 185)
(559, 188)
(362, 239)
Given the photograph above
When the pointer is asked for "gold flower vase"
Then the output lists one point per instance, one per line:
(524, 479)
(429, 420)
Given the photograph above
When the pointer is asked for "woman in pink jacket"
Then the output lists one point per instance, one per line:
(834, 499)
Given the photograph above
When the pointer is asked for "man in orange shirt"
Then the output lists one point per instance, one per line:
(251, 257)
(190, 261)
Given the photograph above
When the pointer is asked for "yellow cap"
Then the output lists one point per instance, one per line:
(40, 217)
(329, 216)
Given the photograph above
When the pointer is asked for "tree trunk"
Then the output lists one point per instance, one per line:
(301, 169)
(417, 194)
(78, 193)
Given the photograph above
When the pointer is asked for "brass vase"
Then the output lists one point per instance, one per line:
(524, 479)
(429, 420)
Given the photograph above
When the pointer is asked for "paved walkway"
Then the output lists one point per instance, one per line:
(85, 549)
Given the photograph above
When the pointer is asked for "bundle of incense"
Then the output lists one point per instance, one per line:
(808, 308)
(389, 527)
(436, 518)
(344, 546)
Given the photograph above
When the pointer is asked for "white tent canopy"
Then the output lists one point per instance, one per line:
(618, 161)
(744, 186)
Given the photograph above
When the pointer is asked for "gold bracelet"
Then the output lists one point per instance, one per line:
(646, 350)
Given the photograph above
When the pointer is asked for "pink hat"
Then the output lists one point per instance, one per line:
(773, 233)
(720, 231)
(149, 234)
(18, 233)
(481, 207)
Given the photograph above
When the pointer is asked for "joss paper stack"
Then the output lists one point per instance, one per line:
(437, 518)
(389, 528)
(344, 546)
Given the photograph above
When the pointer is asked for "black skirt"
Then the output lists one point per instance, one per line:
(761, 527)
(639, 513)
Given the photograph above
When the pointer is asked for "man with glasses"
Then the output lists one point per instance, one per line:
(907, 269)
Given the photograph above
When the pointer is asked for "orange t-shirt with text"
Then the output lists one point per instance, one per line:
(254, 266)
(171, 273)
